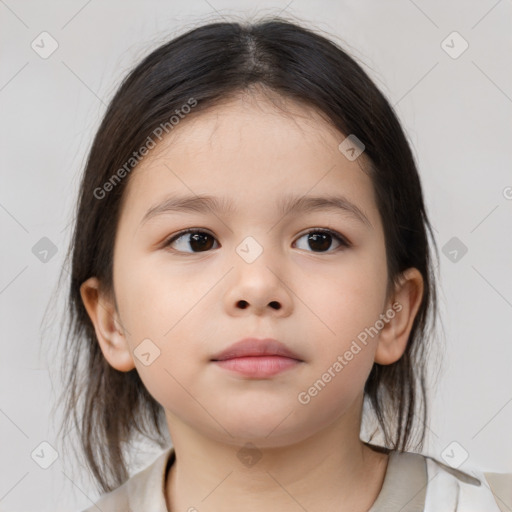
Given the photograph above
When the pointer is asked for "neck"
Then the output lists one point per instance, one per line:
(332, 470)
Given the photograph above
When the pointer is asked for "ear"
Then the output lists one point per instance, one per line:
(405, 302)
(105, 318)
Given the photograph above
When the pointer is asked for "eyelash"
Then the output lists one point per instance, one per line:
(341, 239)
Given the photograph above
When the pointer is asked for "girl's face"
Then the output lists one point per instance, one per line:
(253, 272)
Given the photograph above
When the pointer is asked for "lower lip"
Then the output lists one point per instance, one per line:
(258, 366)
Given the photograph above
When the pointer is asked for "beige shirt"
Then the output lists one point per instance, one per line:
(405, 487)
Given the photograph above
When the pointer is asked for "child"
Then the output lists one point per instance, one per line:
(201, 304)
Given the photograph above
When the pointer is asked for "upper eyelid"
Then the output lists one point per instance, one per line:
(207, 231)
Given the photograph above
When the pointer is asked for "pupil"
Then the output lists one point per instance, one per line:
(198, 241)
(322, 238)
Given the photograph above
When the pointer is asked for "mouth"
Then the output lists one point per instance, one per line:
(258, 366)
(253, 347)
(257, 358)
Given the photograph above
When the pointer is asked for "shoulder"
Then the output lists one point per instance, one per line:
(114, 500)
(143, 491)
(501, 487)
(433, 486)
(465, 489)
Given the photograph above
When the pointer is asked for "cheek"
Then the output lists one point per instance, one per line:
(346, 303)
(346, 298)
(167, 310)
(153, 300)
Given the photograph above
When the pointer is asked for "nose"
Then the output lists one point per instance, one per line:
(259, 289)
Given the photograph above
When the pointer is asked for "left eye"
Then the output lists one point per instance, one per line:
(321, 239)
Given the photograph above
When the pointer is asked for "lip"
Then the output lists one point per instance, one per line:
(254, 347)
(258, 367)
(257, 358)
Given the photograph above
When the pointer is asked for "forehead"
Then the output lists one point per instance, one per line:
(250, 149)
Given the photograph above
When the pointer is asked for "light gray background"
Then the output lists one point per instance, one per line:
(456, 111)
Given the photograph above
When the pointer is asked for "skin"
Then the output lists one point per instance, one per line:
(188, 305)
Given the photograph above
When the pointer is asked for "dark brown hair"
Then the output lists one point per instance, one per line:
(209, 64)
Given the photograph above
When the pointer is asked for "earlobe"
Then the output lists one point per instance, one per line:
(104, 317)
(405, 303)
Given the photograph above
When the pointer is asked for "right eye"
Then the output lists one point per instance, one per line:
(200, 241)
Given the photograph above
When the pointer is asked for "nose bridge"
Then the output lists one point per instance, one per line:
(258, 257)
(257, 247)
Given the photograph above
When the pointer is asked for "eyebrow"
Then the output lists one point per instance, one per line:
(287, 205)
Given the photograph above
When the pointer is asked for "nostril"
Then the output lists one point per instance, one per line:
(274, 304)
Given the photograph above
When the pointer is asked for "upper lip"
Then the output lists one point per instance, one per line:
(255, 347)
